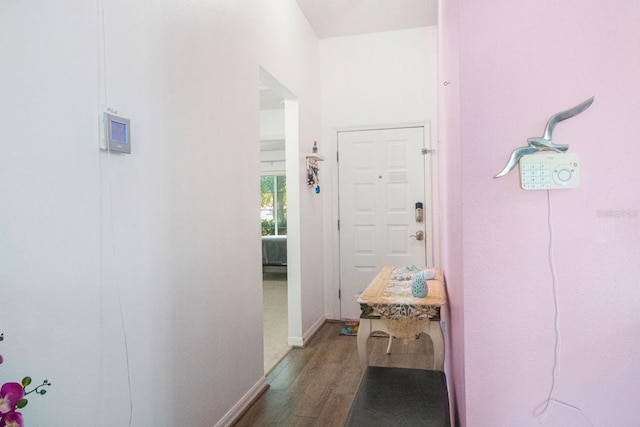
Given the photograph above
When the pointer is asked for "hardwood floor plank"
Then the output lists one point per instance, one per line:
(313, 394)
(349, 377)
(291, 367)
(273, 408)
(335, 411)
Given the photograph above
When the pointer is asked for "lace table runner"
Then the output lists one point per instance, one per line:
(389, 296)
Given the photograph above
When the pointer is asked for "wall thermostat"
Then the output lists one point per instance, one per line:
(118, 134)
(549, 171)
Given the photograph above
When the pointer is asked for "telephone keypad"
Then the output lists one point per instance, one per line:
(545, 172)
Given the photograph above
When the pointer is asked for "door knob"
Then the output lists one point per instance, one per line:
(419, 235)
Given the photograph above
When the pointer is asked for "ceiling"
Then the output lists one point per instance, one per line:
(335, 18)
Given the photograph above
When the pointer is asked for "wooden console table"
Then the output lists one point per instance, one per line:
(388, 305)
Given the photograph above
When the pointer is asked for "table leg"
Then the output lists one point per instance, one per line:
(364, 330)
(431, 328)
(389, 345)
(434, 330)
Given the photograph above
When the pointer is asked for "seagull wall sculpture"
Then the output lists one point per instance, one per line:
(545, 143)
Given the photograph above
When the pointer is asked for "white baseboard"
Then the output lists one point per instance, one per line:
(247, 400)
(301, 342)
(295, 341)
(243, 404)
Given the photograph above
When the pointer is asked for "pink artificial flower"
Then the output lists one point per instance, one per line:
(11, 419)
(10, 395)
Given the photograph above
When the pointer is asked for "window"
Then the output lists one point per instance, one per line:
(273, 205)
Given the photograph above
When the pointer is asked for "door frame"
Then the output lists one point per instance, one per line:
(332, 256)
(294, 232)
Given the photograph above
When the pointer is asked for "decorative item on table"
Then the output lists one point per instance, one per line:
(12, 398)
(405, 273)
(419, 285)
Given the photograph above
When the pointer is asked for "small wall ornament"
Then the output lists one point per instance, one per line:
(545, 143)
(313, 179)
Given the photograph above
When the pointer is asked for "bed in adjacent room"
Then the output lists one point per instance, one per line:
(274, 250)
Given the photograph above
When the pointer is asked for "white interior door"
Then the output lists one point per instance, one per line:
(381, 178)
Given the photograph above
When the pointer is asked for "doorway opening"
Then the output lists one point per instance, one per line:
(279, 201)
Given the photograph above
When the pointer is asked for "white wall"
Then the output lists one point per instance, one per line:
(381, 79)
(160, 247)
(272, 132)
(288, 50)
(271, 124)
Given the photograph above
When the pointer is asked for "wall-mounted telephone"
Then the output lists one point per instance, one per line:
(419, 212)
(549, 171)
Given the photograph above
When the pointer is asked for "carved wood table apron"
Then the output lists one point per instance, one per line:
(388, 305)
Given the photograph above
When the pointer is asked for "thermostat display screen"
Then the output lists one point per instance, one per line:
(118, 132)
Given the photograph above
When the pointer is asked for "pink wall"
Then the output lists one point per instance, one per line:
(448, 155)
(520, 62)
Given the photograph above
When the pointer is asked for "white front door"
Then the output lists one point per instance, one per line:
(381, 178)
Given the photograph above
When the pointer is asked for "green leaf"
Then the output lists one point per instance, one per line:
(42, 391)
(21, 403)
(26, 381)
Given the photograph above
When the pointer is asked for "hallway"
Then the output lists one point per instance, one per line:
(315, 385)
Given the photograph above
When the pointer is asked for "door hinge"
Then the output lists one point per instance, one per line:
(337, 156)
(338, 225)
(427, 151)
(339, 294)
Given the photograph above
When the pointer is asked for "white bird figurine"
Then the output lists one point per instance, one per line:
(544, 143)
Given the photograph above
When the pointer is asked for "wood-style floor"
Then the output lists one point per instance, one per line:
(315, 385)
